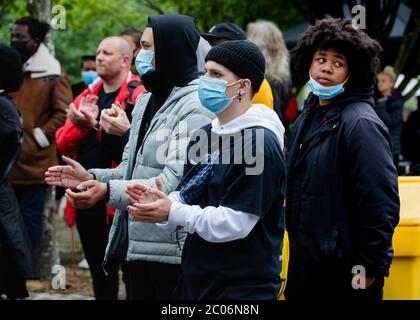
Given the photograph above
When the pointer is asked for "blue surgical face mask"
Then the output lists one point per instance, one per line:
(144, 62)
(323, 92)
(89, 76)
(212, 94)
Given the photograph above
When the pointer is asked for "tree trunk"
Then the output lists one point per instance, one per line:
(41, 10)
(48, 252)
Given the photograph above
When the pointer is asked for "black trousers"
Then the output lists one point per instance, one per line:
(12, 283)
(330, 281)
(151, 280)
(93, 231)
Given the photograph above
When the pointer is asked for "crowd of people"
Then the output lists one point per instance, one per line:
(183, 161)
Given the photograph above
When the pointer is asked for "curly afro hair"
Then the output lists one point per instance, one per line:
(362, 52)
(11, 75)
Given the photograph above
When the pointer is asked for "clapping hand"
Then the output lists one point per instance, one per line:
(114, 120)
(87, 114)
(149, 205)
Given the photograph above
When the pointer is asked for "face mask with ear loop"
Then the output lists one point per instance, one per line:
(212, 94)
(22, 48)
(144, 63)
(323, 92)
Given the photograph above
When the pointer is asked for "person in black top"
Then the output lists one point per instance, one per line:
(342, 198)
(133, 37)
(410, 140)
(389, 107)
(231, 198)
(16, 264)
(88, 74)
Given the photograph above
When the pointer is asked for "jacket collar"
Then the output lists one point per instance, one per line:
(42, 64)
(299, 148)
(331, 122)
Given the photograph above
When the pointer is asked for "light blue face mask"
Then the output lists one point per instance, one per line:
(89, 76)
(144, 62)
(212, 94)
(323, 92)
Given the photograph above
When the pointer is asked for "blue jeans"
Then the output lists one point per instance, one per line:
(31, 201)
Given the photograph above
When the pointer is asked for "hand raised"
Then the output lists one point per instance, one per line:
(69, 176)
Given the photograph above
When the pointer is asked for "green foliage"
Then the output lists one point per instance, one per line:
(9, 10)
(89, 21)
(12, 7)
(210, 12)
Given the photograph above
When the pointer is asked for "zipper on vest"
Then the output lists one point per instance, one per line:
(176, 239)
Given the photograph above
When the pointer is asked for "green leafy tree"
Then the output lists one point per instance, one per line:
(89, 21)
(210, 12)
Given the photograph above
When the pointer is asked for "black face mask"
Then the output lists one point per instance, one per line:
(22, 48)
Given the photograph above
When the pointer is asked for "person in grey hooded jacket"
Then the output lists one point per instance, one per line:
(162, 121)
(230, 202)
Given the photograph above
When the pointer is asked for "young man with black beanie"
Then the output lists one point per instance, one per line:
(228, 31)
(231, 207)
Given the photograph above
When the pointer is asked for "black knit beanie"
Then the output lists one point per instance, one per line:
(241, 57)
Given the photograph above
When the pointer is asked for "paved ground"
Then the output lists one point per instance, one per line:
(77, 287)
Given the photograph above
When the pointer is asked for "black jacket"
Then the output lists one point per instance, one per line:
(342, 200)
(390, 112)
(11, 135)
(15, 254)
(410, 138)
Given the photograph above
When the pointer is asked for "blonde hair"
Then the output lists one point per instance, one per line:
(268, 37)
(389, 71)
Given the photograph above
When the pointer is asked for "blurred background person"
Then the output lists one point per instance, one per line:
(42, 100)
(268, 37)
(410, 139)
(389, 107)
(133, 37)
(88, 75)
(15, 249)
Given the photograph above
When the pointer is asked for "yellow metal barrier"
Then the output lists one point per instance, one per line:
(404, 279)
(284, 266)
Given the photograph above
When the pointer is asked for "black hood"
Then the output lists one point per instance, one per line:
(176, 40)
